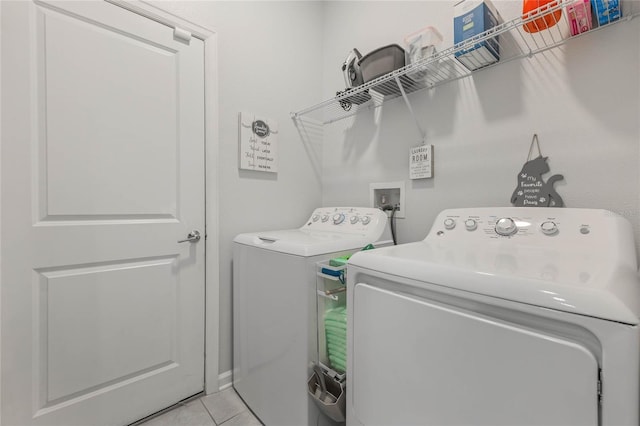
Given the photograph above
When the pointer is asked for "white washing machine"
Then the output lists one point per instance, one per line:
(501, 316)
(274, 307)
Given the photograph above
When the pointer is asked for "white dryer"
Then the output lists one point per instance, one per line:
(274, 307)
(500, 316)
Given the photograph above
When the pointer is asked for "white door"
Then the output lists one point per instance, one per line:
(102, 174)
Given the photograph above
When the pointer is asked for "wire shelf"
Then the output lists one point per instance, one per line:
(513, 42)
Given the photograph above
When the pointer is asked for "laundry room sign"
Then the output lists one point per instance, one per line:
(258, 146)
(421, 162)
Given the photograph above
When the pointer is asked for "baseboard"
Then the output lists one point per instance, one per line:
(225, 380)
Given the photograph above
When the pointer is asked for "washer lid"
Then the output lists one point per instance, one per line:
(328, 230)
(592, 274)
(305, 243)
(570, 284)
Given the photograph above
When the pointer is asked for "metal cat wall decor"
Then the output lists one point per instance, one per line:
(532, 190)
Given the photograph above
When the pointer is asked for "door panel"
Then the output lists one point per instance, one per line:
(95, 151)
(102, 174)
(416, 362)
(136, 337)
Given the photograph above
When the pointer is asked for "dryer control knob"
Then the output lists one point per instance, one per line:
(449, 223)
(365, 220)
(353, 220)
(325, 218)
(315, 217)
(470, 224)
(549, 228)
(338, 218)
(506, 226)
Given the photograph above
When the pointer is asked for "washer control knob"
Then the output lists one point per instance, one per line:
(315, 217)
(353, 220)
(365, 220)
(549, 228)
(449, 223)
(506, 226)
(470, 224)
(325, 218)
(338, 218)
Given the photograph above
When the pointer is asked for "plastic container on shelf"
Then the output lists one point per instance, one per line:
(381, 61)
(531, 8)
(421, 44)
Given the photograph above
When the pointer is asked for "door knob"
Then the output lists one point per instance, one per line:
(192, 237)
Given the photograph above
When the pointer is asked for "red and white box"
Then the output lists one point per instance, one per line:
(579, 14)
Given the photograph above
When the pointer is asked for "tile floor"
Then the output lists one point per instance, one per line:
(222, 408)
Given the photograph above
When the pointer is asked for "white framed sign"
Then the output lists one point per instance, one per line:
(258, 146)
(421, 162)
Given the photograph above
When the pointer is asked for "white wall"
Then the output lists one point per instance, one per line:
(581, 99)
(269, 64)
(275, 57)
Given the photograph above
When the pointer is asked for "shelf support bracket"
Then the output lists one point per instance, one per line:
(423, 134)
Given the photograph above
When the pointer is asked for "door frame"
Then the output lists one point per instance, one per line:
(212, 277)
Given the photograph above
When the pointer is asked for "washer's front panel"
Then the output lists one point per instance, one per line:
(416, 362)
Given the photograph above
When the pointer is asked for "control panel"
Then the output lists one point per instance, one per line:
(351, 220)
(522, 223)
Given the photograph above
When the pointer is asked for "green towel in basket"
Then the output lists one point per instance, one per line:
(330, 328)
(335, 327)
(338, 314)
(340, 368)
(338, 362)
(334, 323)
(337, 349)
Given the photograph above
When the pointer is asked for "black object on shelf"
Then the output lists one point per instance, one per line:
(381, 61)
(356, 98)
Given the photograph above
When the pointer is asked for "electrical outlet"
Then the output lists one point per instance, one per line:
(388, 194)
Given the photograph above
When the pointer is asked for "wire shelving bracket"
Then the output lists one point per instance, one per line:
(443, 67)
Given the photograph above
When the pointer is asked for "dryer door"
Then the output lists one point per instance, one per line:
(415, 362)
